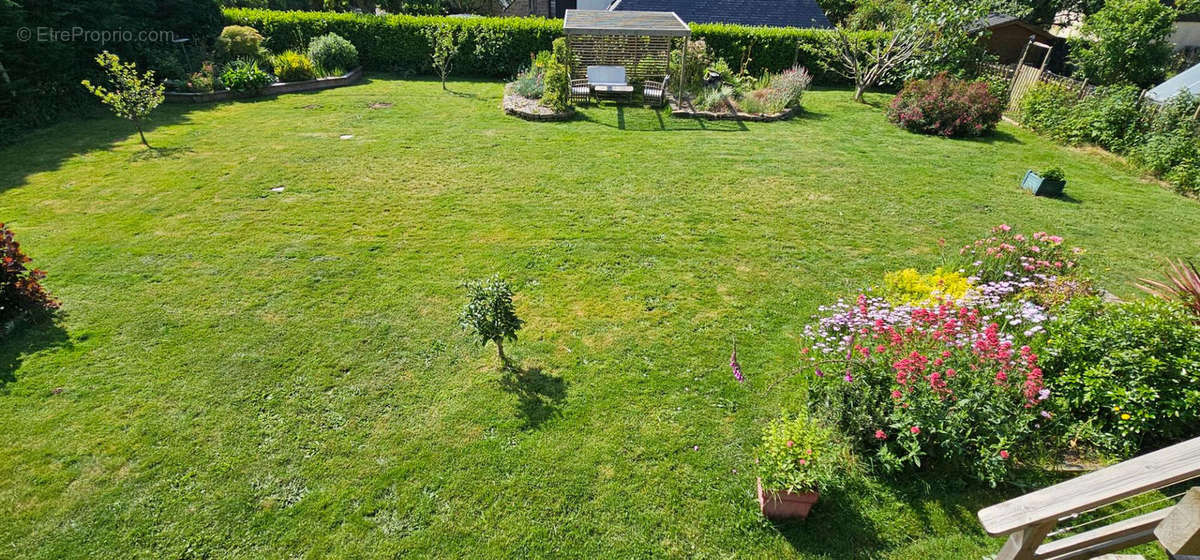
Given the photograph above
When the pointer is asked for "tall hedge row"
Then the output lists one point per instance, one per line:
(499, 47)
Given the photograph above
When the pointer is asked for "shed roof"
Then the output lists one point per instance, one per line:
(995, 20)
(604, 22)
(1188, 80)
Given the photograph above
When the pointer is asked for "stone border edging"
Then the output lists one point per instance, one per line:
(517, 106)
(273, 89)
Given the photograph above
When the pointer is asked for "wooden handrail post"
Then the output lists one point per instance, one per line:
(1023, 544)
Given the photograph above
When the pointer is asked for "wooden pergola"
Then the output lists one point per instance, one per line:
(639, 41)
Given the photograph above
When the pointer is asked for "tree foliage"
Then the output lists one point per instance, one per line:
(133, 95)
(489, 313)
(1125, 42)
(444, 40)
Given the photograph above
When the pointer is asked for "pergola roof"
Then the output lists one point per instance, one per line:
(604, 22)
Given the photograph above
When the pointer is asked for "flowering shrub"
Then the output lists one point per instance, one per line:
(910, 286)
(21, 292)
(1006, 255)
(946, 107)
(918, 385)
(799, 455)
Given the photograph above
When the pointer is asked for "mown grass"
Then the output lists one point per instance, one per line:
(240, 372)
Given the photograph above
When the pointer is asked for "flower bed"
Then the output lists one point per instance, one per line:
(269, 90)
(686, 110)
(531, 109)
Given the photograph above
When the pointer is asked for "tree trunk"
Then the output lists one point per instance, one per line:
(500, 350)
(858, 93)
(143, 136)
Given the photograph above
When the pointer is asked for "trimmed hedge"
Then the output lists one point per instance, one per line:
(500, 47)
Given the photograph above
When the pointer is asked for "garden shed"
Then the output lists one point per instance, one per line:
(641, 42)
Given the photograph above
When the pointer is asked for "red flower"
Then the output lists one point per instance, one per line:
(880, 435)
(1003, 454)
(915, 430)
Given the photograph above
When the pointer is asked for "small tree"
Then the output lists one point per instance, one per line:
(490, 314)
(1125, 42)
(445, 41)
(870, 61)
(133, 95)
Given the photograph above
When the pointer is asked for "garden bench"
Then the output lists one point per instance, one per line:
(609, 80)
(1029, 519)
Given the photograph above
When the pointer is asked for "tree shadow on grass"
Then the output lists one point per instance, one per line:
(996, 136)
(24, 338)
(540, 396)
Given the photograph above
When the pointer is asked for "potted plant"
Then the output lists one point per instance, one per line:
(798, 456)
(1047, 183)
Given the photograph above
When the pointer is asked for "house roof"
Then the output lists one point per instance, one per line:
(603, 22)
(995, 20)
(773, 13)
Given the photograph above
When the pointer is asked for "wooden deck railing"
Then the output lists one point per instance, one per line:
(1029, 519)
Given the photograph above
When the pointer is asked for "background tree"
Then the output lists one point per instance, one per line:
(490, 315)
(1125, 42)
(955, 46)
(838, 10)
(133, 96)
(870, 62)
(445, 41)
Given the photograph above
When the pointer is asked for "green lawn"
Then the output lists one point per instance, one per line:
(259, 374)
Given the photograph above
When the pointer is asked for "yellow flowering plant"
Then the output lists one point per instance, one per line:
(909, 287)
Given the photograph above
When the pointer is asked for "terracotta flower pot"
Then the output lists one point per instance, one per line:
(785, 505)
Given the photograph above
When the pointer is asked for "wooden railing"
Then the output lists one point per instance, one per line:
(1029, 519)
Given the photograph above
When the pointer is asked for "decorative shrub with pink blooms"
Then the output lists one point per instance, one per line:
(916, 386)
(1008, 255)
(946, 106)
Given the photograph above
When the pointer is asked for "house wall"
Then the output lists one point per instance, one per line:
(1186, 35)
(1008, 41)
(522, 8)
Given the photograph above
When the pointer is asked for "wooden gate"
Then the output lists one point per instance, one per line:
(1026, 76)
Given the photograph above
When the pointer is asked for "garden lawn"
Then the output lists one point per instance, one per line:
(259, 354)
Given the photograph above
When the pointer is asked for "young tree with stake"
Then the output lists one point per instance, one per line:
(133, 96)
(490, 314)
(445, 41)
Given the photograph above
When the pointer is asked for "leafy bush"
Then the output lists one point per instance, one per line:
(1045, 108)
(715, 99)
(1054, 174)
(1108, 118)
(699, 58)
(798, 454)
(946, 107)
(244, 76)
(399, 42)
(1131, 370)
(792, 83)
(21, 292)
(1170, 143)
(911, 287)
(489, 314)
(239, 42)
(291, 66)
(331, 52)
(1125, 43)
(556, 93)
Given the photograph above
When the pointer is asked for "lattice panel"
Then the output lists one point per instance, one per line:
(643, 57)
